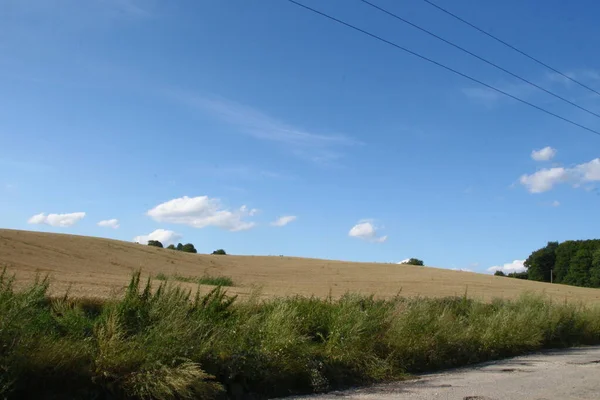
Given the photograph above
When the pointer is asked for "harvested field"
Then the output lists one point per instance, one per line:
(95, 267)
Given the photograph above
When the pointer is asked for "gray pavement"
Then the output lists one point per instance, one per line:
(570, 374)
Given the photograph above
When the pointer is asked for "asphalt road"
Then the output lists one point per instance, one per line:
(572, 374)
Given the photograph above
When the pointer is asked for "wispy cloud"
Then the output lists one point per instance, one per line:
(133, 8)
(549, 81)
(109, 223)
(23, 165)
(316, 147)
(89, 9)
(490, 97)
(283, 221)
(583, 75)
(243, 172)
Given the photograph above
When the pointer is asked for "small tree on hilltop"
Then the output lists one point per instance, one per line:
(171, 247)
(413, 261)
(179, 246)
(499, 273)
(155, 243)
(220, 252)
(189, 248)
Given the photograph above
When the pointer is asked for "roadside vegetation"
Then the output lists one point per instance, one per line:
(165, 343)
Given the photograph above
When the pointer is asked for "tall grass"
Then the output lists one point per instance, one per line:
(163, 343)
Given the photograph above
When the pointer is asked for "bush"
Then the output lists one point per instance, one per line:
(414, 261)
(164, 343)
(220, 252)
(518, 275)
(499, 273)
(188, 248)
(155, 243)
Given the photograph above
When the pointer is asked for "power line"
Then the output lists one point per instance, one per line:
(512, 47)
(479, 57)
(442, 66)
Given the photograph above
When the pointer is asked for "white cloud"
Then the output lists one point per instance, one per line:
(164, 236)
(365, 230)
(404, 261)
(316, 147)
(545, 154)
(590, 171)
(555, 203)
(461, 269)
(283, 221)
(515, 266)
(59, 220)
(202, 211)
(545, 179)
(109, 223)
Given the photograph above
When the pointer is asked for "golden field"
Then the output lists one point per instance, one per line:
(96, 267)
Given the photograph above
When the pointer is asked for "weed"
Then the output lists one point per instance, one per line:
(163, 343)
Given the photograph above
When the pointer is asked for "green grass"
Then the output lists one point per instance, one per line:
(164, 343)
(203, 280)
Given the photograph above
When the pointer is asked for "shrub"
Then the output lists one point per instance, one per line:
(413, 261)
(215, 280)
(163, 343)
(518, 275)
(220, 252)
(499, 273)
(188, 248)
(155, 243)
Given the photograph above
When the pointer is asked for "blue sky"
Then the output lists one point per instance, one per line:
(209, 121)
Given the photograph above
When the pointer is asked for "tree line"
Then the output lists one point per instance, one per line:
(574, 262)
(186, 248)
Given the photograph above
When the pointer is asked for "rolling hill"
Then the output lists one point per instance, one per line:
(96, 267)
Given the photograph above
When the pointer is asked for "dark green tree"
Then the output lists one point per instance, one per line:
(564, 252)
(188, 248)
(579, 268)
(171, 247)
(414, 261)
(179, 246)
(518, 275)
(155, 243)
(541, 262)
(595, 270)
(219, 252)
(499, 273)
